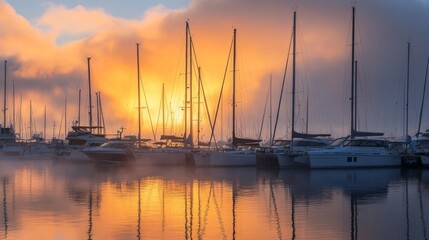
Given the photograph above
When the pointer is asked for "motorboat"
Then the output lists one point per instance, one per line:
(111, 151)
(353, 153)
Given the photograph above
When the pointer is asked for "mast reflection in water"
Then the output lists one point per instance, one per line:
(57, 200)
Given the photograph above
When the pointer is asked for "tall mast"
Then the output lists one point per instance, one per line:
(199, 107)
(89, 93)
(191, 122)
(352, 124)
(4, 102)
(186, 83)
(293, 76)
(138, 93)
(408, 86)
(233, 85)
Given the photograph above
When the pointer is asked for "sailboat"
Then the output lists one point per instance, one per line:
(81, 136)
(85, 135)
(233, 156)
(355, 150)
(300, 143)
(8, 144)
(36, 146)
(144, 155)
(420, 144)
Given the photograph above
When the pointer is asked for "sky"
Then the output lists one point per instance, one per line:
(46, 45)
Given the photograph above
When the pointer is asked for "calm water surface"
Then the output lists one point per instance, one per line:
(63, 200)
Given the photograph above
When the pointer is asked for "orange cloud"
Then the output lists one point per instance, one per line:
(48, 59)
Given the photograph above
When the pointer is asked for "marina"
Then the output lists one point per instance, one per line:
(195, 119)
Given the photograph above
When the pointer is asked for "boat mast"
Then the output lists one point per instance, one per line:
(78, 114)
(102, 123)
(271, 110)
(44, 124)
(31, 121)
(13, 104)
(89, 93)
(352, 124)
(306, 113)
(138, 94)
(233, 85)
(4, 102)
(293, 78)
(199, 106)
(65, 117)
(163, 109)
(355, 100)
(98, 112)
(191, 121)
(20, 118)
(408, 89)
(186, 83)
(423, 98)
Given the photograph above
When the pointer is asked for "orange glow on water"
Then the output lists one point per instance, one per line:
(45, 199)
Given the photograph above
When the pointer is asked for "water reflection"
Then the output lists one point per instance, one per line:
(48, 200)
(5, 218)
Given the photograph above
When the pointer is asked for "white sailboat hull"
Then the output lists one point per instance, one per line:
(225, 159)
(323, 159)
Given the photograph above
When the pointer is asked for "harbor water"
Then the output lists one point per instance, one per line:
(51, 199)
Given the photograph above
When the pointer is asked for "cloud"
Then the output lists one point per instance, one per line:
(59, 21)
(48, 60)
